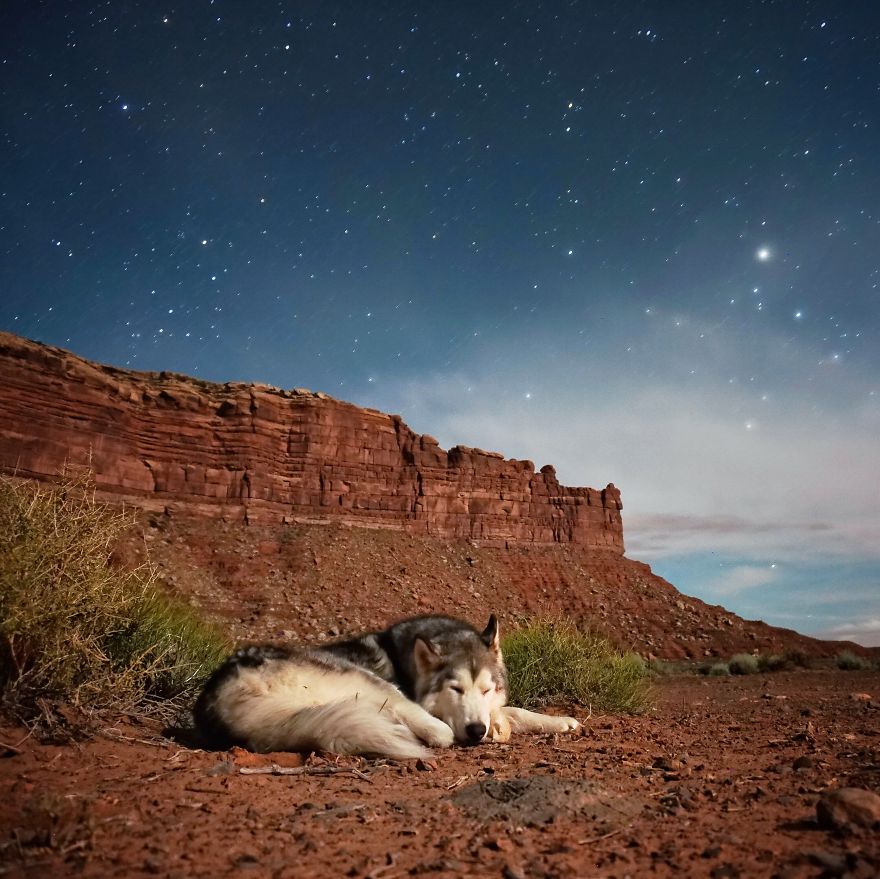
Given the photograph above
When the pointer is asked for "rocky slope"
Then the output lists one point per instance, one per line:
(307, 582)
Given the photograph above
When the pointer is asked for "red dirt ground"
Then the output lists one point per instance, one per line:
(704, 785)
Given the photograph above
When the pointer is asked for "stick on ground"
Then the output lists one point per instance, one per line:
(275, 769)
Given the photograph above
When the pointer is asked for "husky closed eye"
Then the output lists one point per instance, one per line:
(456, 688)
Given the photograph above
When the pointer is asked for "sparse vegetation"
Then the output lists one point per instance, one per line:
(774, 662)
(849, 661)
(76, 629)
(743, 664)
(662, 668)
(718, 670)
(555, 662)
(798, 658)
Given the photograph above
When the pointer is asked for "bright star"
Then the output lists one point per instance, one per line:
(763, 254)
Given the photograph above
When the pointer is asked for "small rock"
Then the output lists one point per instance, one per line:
(860, 697)
(847, 808)
(803, 762)
(667, 764)
(725, 871)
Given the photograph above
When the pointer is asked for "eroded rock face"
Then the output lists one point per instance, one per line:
(253, 452)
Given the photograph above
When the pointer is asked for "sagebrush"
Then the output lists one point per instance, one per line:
(555, 662)
(846, 660)
(743, 664)
(74, 627)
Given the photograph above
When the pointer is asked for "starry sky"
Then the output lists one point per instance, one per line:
(640, 241)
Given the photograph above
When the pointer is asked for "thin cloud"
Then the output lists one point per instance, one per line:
(740, 579)
(865, 632)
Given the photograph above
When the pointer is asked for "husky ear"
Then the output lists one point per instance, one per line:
(426, 655)
(490, 634)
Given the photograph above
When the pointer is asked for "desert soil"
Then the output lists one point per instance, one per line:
(720, 779)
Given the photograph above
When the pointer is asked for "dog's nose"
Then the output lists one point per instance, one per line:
(475, 732)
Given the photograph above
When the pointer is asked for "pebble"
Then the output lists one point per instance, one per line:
(227, 767)
(803, 762)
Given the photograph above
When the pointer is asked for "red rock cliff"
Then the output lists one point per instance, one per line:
(253, 452)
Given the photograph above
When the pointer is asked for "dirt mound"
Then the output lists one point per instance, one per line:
(537, 800)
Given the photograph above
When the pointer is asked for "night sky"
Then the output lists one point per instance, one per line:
(640, 241)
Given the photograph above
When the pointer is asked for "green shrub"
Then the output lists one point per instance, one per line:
(743, 664)
(774, 662)
(555, 662)
(73, 627)
(718, 670)
(662, 668)
(797, 657)
(849, 661)
(168, 647)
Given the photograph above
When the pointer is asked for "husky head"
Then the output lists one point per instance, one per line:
(460, 679)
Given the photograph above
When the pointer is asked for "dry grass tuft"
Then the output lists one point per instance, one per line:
(555, 662)
(846, 660)
(76, 630)
(743, 664)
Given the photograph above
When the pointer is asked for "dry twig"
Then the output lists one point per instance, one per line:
(608, 835)
(275, 769)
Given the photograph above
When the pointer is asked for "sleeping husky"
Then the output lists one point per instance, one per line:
(425, 682)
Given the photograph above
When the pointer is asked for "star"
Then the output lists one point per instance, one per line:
(763, 254)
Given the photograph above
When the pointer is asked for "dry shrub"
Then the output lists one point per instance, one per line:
(798, 658)
(743, 664)
(774, 662)
(76, 629)
(555, 662)
(846, 660)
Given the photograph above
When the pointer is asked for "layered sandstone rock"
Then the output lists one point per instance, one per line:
(258, 453)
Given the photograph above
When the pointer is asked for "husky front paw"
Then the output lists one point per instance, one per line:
(499, 727)
(436, 733)
(563, 724)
